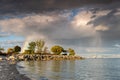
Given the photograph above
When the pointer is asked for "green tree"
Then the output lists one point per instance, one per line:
(32, 46)
(57, 49)
(71, 51)
(39, 45)
(27, 52)
(1, 49)
(10, 50)
(17, 49)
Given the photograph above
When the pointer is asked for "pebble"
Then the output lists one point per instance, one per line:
(9, 72)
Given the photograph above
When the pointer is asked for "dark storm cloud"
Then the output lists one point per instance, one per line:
(110, 21)
(76, 42)
(28, 6)
(56, 27)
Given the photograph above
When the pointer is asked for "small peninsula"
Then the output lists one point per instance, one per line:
(36, 50)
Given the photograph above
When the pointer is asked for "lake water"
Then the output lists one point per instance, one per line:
(88, 69)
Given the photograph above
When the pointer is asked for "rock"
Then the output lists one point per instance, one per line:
(21, 57)
(0, 59)
(11, 58)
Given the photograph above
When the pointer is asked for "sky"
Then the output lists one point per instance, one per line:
(88, 26)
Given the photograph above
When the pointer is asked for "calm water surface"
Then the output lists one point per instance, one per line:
(88, 69)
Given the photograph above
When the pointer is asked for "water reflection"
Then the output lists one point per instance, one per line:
(49, 70)
(89, 69)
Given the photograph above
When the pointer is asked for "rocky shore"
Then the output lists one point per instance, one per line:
(36, 57)
(8, 71)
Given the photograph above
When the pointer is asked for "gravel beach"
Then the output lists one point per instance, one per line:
(8, 71)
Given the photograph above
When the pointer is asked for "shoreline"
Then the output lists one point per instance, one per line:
(8, 68)
(37, 57)
(8, 71)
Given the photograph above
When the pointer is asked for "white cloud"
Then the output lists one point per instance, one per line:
(3, 34)
(102, 13)
(117, 45)
(54, 26)
(101, 28)
(96, 50)
(80, 21)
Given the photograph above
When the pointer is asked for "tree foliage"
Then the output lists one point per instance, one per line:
(27, 52)
(32, 46)
(10, 50)
(1, 49)
(17, 48)
(57, 49)
(71, 51)
(39, 45)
